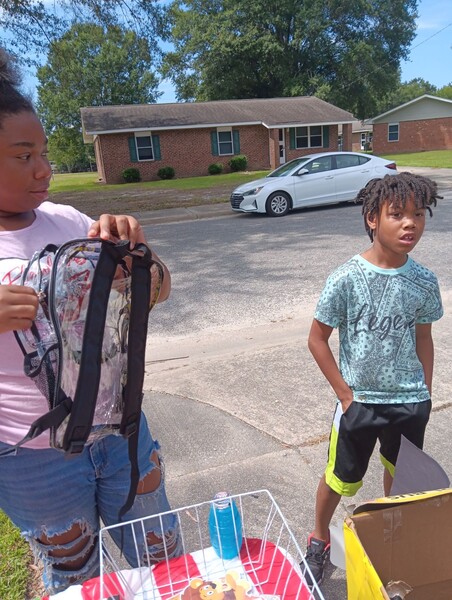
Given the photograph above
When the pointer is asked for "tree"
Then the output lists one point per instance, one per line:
(27, 27)
(445, 92)
(347, 51)
(90, 66)
(405, 92)
(67, 150)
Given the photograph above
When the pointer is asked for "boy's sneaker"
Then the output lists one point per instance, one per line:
(317, 553)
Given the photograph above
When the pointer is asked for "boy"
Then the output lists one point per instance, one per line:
(383, 303)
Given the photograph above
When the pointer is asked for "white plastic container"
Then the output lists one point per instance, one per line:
(337, 551)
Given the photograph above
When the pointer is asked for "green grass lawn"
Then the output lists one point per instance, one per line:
(81, 182)
(14, 560)
(434, 159)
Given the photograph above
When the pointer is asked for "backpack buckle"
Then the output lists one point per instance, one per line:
(76, 447)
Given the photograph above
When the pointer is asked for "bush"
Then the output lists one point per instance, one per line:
(215, 168)
(131, 175)
(166, 173)
(238, 163)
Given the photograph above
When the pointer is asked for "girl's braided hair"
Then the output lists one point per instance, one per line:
(397, 190)
(12, 101)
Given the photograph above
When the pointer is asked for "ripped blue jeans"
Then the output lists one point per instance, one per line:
(57, 503)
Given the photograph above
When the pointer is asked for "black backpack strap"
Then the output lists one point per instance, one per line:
(52, 418)
(133, 391)
(84, 402)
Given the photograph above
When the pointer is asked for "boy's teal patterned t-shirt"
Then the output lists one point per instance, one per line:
(376, 311)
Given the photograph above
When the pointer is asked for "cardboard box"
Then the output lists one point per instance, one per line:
(405, 538)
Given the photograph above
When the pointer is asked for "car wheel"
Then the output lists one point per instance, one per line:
(278, 204)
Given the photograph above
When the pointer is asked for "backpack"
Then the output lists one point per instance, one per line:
(85, 350)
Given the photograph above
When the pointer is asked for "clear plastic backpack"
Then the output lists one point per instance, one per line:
(86, 348)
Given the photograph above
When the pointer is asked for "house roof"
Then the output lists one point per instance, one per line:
(361, 126)
(422, 98)
(269, 112)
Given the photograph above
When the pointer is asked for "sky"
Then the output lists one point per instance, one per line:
(430, 54)
(431, 50)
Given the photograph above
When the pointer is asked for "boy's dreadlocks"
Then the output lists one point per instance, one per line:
(397, 190)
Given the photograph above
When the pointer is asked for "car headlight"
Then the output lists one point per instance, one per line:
(252, 192)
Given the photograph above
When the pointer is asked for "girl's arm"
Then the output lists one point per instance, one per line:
(318, 344)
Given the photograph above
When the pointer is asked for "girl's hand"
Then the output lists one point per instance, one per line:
(125, 227)
(18, 307)
(118, 227)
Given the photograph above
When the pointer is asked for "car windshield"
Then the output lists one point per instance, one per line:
(286, 169)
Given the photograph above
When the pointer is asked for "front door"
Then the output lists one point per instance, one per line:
(282, 147)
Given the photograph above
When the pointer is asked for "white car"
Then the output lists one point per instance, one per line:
(311, 180)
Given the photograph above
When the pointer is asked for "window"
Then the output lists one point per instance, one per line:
(393, 132)
(308, 137)
(320, 164)
(350, 160)
(225, 144)
(144, 147)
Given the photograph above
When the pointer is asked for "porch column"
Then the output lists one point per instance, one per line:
(347, 137)
(273, 141)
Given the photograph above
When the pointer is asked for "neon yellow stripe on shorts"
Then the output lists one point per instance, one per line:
(338, 486)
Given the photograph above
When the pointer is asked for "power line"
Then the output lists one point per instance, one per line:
(431, 36)
(388, 62)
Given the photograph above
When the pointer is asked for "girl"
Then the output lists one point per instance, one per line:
(57, 503)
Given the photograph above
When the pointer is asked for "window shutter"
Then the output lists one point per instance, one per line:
(214, 143)
(326, 136)
(236, 141)
(132, 149)
(156, 147)
(292, 138)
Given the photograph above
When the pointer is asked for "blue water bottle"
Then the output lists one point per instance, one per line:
(225, 526)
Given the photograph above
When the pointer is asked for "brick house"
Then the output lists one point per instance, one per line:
(191, 136)
(424, 123)
(361, 136)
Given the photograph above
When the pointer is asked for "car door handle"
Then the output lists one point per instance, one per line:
(330, 177)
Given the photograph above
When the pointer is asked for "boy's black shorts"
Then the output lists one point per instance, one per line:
(355, 433)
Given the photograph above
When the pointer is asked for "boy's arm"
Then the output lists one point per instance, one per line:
(425, 352)
(321, 351)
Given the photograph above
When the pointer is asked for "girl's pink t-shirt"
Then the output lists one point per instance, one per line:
(20, 400)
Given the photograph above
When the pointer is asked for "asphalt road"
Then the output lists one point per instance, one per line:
(231, 390)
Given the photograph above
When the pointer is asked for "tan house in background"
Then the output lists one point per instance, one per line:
(191, 136)
(362, 133)
(424, 123)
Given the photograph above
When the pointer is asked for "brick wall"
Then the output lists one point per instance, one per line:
(414, 136)
(347, 135)
(273, 141)
(189, 152)
(333, 141)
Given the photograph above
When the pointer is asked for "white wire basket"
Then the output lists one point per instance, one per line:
(270, 565)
